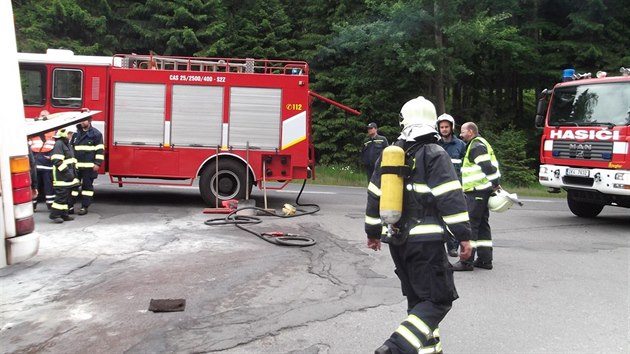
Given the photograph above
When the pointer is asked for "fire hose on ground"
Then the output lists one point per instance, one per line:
(277, 237)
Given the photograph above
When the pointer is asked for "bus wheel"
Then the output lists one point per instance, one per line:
(230, 181)
(583, 209)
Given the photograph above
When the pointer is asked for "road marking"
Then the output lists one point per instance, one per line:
(537, 200)
(306, 192)
(279, 191)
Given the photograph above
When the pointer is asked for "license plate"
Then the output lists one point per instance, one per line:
(578, 172)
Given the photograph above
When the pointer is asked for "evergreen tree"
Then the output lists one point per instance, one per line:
(179, 27)
(251, 28)
(81, 26)
(479, 60)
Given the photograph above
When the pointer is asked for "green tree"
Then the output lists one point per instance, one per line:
(250, 28)
(479, 60)
(81, 26)
(179, 27)
(510, 145)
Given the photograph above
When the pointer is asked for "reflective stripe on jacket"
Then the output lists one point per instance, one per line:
(372, 149)
(480, 170)
(37, 145)
(64, 174)
(88, 147)
(433, 198)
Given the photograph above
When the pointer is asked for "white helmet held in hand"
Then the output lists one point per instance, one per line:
(417, 117)
(502, 201)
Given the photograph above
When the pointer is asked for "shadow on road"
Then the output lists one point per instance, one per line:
(158, 197)
(162, 197)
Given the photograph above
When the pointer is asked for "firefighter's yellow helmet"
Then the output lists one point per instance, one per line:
(63, 132)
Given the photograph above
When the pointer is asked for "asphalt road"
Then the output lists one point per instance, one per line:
(560, 283)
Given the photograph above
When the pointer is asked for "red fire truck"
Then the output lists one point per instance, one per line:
(234, 123)
(585, 142)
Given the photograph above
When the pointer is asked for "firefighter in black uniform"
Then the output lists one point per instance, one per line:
(64, 175)
(88, 150)
(42, 146)
(433, 204)
(372, 148)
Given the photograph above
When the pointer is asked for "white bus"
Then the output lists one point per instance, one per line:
(16, 209)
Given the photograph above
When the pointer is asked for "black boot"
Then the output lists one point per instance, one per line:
(56, 219)
(463, 266)
(383, 349)
(484, 265)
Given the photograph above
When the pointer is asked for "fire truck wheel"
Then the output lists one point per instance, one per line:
(581, 208)
(231, 182)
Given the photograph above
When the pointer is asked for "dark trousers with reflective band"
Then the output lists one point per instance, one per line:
(60, 204)
(84, 192)
(427, 282)
(479, 215)
(45, 186)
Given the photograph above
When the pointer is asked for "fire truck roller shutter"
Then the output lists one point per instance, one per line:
(139, 113)
(197, 115)
(255, 117)
(231, 181)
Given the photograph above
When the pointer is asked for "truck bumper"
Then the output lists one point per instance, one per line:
(610, 182)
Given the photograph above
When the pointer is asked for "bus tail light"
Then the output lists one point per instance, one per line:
(25, 226)
(22, 195)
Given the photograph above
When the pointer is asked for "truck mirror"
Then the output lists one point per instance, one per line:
(541, 108)
(544, 94)
(540, 121)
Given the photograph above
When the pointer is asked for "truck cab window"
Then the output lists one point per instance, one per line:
(33, 79)
(591, 104)
(67, 90)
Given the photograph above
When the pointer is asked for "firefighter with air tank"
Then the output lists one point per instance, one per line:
(414, 199)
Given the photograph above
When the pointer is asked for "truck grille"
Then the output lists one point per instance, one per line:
(585, 150)
(579, 181)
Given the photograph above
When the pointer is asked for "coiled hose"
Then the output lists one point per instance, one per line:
(277, 238)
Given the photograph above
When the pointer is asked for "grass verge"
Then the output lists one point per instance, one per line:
(346, 176)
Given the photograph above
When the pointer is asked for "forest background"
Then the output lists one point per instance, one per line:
(479, 60)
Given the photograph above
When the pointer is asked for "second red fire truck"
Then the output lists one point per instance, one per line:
(233, 123)
(586, 140)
